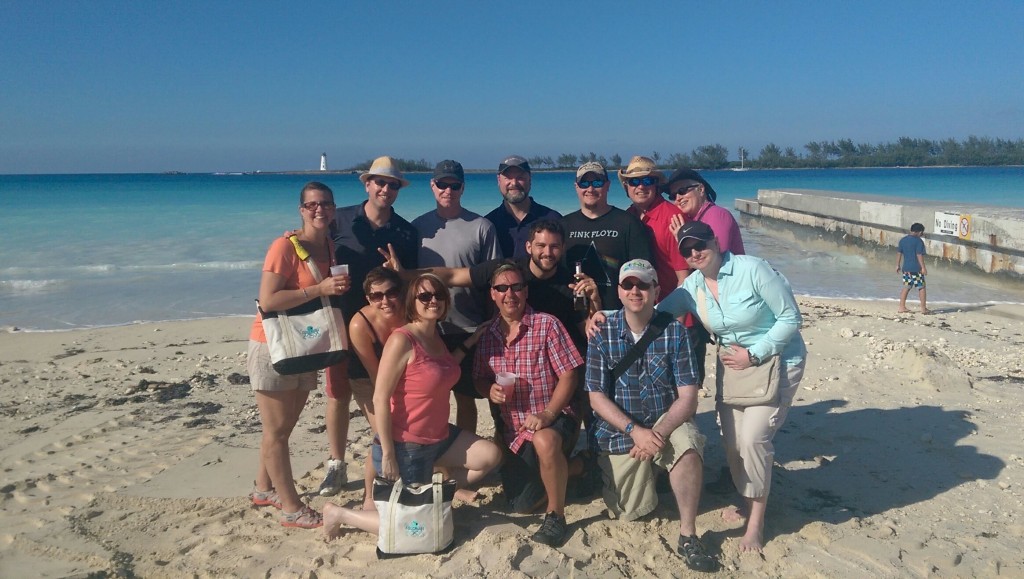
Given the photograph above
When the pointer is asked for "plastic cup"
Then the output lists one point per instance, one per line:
(507, 380)
(341, 269)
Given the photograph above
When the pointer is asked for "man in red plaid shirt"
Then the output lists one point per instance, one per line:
(539, 426)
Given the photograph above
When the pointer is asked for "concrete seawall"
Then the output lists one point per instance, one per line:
(988, 237)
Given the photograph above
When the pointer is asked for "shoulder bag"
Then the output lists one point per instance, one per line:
(309, 337)
(753, 386)
(415, 518)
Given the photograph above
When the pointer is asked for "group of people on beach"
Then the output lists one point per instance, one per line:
(601, 317)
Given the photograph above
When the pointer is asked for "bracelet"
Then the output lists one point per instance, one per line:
(304, 292)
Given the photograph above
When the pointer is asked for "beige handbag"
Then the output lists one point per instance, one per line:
(753, 386)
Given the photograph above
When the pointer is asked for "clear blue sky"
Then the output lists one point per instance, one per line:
(145, 86)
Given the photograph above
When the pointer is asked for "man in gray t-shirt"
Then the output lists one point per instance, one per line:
(456, 237)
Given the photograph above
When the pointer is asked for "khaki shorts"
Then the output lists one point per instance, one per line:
(362, 391)
(629, 489)
(263, 378)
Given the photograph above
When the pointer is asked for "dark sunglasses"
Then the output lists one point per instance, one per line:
(452, 186)
(312, 205)
(687, 250)
(595, 183)
(382, 183)
(682, 191)
(504, 287)
(427, 297)
(628, 285)
(378, 296)
(645, 181)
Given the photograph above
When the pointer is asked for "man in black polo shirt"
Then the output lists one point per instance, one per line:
(512, 219)
(359, 231)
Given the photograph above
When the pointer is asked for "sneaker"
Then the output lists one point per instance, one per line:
(695, 555)
(334, 479)
(552, 531)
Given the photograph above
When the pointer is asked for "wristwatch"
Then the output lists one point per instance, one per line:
(629, 428)
(754, 360)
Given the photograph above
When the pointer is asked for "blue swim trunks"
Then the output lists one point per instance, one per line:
(913, 279)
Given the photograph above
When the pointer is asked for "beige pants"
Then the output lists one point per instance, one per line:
(747, 434)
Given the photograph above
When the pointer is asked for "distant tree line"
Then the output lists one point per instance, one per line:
(905, 152)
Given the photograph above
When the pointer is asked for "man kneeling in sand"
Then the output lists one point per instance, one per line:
(537, 423)
(645, 416)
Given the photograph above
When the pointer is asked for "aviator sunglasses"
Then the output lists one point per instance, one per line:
(645, 181)
(382, 183)
(687, 250)
(312, 205)
(452, 186)
(504, 287)
(391, 294)
(595, 183)
(427, 297)
(629, 284)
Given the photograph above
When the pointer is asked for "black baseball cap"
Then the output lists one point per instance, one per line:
(514, 161)
(450, 169)
(694, 230)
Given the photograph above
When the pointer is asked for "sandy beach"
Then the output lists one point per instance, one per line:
(129, 451)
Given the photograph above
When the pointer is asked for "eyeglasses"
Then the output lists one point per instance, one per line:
(645, 181)
(382, 183)
(682, 190)
(452, 186)
(427, 297)
(312, 205)
(388, 293)
(595, 183)
(628, 285)
(687, 250)
(504, 287)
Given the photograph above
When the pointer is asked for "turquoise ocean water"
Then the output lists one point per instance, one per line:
(91, 250)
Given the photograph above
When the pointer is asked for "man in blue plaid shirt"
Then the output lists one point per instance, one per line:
(646, 417)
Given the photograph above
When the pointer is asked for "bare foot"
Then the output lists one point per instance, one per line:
(332, 521)
(926, 311)
(903, 311)
(733, 514)
(750, 544)
(466, 495)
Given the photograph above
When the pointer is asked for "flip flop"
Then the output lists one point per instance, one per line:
(304, 518)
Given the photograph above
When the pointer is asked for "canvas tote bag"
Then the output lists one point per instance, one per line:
(414, 518)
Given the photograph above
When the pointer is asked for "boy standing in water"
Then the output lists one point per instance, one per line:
(910, 261)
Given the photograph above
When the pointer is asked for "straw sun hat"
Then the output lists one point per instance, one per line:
(384, 167)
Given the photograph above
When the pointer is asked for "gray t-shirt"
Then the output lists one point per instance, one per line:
(464, 241)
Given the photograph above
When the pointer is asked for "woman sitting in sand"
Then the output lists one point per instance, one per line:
(751, 308)
(368, 330)
(286, 283)
(411, 399)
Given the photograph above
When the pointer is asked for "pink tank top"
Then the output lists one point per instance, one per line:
(419, 404)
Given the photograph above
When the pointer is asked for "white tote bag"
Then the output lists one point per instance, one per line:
(414, 518)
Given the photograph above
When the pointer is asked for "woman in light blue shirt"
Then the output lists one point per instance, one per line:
(751, 308)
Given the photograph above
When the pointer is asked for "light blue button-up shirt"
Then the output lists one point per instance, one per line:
(755, 307)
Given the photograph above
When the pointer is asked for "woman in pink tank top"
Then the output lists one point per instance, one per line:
(411, 399)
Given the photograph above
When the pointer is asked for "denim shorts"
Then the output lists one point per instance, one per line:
(415, 461)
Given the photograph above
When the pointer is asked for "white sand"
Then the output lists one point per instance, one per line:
(901, 457)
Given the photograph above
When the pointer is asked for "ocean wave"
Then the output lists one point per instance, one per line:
(932, 303)
(104, 268)
(29, 286)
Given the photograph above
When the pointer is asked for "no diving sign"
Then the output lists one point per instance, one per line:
(953, 224)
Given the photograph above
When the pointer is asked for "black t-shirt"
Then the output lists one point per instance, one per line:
(551, 295)
(603, 245)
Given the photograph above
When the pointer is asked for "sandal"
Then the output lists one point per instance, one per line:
(695, 555)
(304, 518)
(265, 498)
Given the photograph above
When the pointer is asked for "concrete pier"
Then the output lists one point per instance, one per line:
(988, 237)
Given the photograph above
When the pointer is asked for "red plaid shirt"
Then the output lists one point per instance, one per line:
(539, 355)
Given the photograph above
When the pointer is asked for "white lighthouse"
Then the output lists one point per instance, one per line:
(323, 161)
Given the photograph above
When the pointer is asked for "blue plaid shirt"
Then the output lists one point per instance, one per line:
(667, 364)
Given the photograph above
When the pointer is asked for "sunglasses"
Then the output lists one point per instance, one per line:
(427, 297)
(379, 296)
(504, 287)
(312, 205)
(645, 181)
(595, 183)
(628, 285)
(452, 186)
(687, 250)
(682, 190)
(382, 183)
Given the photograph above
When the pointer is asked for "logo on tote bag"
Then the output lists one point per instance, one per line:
(311, 333)
(415, 529)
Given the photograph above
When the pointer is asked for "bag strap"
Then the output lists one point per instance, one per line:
(655, 328)
(438, 510)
